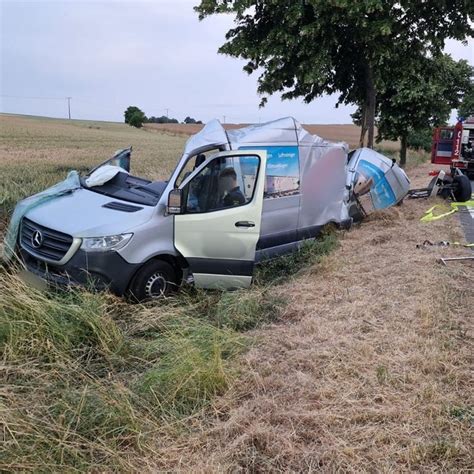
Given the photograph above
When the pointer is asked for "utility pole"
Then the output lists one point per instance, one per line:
(223, 118)
(69, 106)
(167, 112)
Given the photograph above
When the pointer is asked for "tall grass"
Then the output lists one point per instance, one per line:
(91, 383)
(80, 390)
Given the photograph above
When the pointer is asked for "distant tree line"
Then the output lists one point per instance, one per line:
(136, 118)
(162, 119)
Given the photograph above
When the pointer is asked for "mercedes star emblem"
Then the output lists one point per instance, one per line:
(37, 239)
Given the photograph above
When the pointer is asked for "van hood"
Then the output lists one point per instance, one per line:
(82, 214)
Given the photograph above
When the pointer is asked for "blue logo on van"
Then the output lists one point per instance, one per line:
(383, 195)
(281, 160)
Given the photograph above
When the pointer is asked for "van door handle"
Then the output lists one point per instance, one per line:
(244, 224)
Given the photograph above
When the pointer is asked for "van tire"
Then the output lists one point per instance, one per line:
(462, 192)
(156, 279)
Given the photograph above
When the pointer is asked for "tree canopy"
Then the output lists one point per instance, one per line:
(137, 119)
(162, 119)
(306, 48)
(190, 120)
(467, 105)
(132, 109)
(421, 98)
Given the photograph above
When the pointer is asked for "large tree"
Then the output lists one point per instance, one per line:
(306, 48)
(131, 110)
(467, 106)
(421, 98)
(137, 119)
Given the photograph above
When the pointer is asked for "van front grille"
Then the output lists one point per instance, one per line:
(44, 242)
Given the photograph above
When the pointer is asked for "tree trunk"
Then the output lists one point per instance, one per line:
(370, 99)
(363, 125)
(403, 151)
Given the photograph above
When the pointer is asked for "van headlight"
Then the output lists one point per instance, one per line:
(102, 244)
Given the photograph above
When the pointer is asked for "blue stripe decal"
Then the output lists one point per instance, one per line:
(381, 192)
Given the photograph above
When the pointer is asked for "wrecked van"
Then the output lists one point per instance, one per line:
(235, 198)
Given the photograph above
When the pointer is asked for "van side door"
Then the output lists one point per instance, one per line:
(219, 228)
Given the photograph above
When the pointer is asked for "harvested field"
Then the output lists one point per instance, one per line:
(348, 133)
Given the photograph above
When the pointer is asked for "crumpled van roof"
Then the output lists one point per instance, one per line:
(285, 130)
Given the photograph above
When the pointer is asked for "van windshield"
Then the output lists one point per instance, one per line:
(131, 188)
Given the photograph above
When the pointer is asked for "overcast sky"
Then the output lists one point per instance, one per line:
(156, 54)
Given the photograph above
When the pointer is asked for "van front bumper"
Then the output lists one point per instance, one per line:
(94, 270)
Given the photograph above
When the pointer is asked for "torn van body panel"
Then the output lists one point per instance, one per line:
(235, 197)
(377, 177)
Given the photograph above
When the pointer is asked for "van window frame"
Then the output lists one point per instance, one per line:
(203, 165)
(213, 149)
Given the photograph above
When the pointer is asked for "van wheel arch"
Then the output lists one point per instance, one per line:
(165, 263)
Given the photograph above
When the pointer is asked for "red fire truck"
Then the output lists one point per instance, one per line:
(453, 146)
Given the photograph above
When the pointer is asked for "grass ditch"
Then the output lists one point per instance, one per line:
(92, 383)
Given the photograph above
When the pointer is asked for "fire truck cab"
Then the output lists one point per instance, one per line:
(453, 146)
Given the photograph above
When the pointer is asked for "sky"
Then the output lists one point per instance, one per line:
(154, 54)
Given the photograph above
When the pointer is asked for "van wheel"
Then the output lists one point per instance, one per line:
(154, 280)
(462, 192)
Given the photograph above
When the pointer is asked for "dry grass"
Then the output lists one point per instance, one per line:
(371, 369)
(347, 133)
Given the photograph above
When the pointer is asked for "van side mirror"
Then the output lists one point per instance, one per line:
(175, 205)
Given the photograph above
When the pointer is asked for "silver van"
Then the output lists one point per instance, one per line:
(235, 198)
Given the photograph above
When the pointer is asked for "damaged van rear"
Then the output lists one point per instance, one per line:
(235, 198)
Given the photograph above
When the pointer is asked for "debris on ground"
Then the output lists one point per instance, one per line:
(455, 259)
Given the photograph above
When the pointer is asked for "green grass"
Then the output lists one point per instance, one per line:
(84, 387)
(311, 252)
(91, 382)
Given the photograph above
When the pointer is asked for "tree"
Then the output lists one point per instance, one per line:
(137, 119)
(421, 98)
(467, 105)
(306, 48)
(191, 120)
(130, 111)
(162, 119)
(420, 139)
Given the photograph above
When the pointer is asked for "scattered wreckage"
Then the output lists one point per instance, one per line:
(235, 198)
(454, 185)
